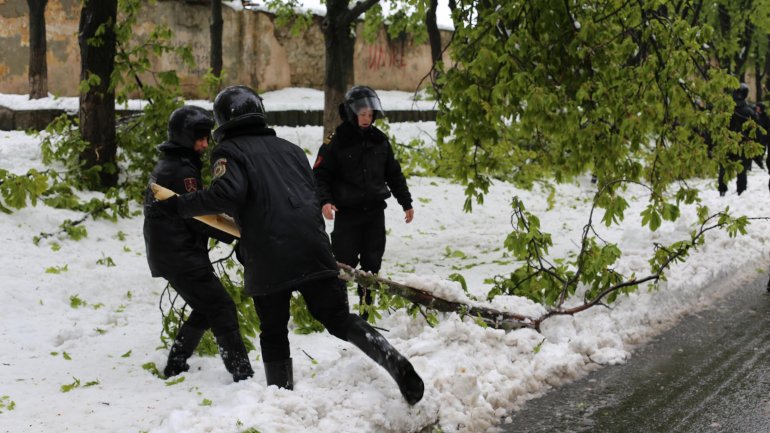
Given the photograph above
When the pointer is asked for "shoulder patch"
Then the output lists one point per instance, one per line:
(190, 184)
(220, 168)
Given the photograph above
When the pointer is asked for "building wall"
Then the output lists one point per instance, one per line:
(255, 53)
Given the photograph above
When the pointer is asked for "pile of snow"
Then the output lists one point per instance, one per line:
(474, 376)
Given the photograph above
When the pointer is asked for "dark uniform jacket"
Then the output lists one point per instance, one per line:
(176, 245)
(266, 184)
(357, 170)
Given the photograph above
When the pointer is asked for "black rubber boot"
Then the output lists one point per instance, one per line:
(186, 341)
(375, 346)
(280, 373)
(234, 355)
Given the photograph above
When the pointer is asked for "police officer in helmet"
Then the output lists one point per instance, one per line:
(177, 249)
(267, 185)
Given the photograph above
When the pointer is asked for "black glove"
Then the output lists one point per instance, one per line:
(237, 249)
(168, 207)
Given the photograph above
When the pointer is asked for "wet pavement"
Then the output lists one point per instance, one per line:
(710, 373)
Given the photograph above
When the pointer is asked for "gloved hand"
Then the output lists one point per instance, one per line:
(168, 207)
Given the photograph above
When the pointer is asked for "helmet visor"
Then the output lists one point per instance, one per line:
(357, 106)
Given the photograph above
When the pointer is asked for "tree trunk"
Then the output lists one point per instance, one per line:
(97, 104)
(434, 37)
(759, 72)
(216, 37)
(724, 31)
(766, 72)
(339, 74)
(38, 66)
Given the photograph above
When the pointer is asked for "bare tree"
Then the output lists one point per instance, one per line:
(38, 66)
(97, 40)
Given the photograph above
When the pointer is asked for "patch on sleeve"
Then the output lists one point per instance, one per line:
(190, 184)
(318, 161)
(220, 168)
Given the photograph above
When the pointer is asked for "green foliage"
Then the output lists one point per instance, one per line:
(231, 276)
(402, 18)
(212, 84)
(62, 144)
(153, 369)
(416, 157)
(174, 381)
(303, 321)
(287, 14)
(76, 384)
(76, 302)
(6, 404)
(56, 269)
(543, 92)
(16, 190)
(106, 261)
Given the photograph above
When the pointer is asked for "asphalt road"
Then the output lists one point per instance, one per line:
(710, 373)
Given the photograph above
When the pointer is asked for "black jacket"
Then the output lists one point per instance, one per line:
(176, 245)
(266, 184)
(357, 170)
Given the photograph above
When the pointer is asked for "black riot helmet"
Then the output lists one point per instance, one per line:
(741, 93)
(360, 97)
(239, 105)
(187, 124)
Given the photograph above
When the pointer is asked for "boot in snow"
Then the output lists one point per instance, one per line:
(234, 355)
(186, 341)
(375, 346)
(280, 373)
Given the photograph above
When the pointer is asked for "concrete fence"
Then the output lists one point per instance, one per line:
(22, 120)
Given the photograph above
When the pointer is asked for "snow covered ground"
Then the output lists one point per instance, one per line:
(474, 376)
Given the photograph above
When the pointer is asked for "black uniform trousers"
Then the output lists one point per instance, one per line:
(359, 237)
(211, 305)
(741, 178)
(327, 301)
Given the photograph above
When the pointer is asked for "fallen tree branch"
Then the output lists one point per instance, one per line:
(491, 317)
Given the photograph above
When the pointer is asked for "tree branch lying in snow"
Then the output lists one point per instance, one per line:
(491, 317)
(664, 257)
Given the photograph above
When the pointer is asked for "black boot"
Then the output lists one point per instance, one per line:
(375, 346)
(280, 373)
(235, 355)
(186, 341)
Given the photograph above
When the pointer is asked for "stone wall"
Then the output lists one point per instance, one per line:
(255, 53)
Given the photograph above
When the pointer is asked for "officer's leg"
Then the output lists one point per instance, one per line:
(273, 312)
(203, 291)
(186, 340)
(371, 252)
(347, 238)
(325, 303)
(743, 175)
(721, 186)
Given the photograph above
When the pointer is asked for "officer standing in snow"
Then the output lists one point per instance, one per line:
(742, 113)
(177, 249)
(355, 172)
(267, 185)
